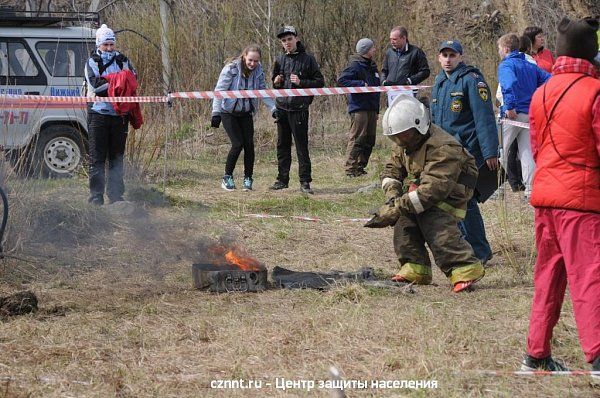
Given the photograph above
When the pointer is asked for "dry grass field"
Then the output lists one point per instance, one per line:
(118, 315)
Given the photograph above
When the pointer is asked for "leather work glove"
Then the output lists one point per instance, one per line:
(215, 121)
(385, 216)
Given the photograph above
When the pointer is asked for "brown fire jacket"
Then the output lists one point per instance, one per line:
(440, 173)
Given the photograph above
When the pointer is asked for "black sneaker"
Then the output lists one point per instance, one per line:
(305, 188)
(277, 185)
(118, 199)
(548, 364)
(596, 370)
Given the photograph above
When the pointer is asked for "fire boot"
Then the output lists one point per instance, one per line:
(414, 273)
(463, 278)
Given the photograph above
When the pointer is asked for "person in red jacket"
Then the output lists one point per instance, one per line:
(542, 56)
(565, 141)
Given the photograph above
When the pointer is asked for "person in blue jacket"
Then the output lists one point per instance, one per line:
(461, 104)
(363, 108)
(518, 79)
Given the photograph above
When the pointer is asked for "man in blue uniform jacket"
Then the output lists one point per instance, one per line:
(462, 105)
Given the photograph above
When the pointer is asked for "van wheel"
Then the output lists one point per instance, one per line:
(59, 151)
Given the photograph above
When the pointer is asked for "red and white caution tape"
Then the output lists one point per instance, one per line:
(294, 92)
(306, 218)
(515, 123)
(41, 99)
(539, 373)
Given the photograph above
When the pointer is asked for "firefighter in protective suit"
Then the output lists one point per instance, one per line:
(428, 182)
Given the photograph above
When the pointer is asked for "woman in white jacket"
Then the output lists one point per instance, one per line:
(243, 73)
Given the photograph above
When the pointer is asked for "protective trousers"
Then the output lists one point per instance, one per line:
(293, 124)
(107, 138)
(450, 251)
(361, 140)
(568, 245)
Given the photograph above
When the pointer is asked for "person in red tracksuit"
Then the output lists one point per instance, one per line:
(565, 141)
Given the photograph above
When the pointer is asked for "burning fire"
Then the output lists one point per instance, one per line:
(243, 262)
(235, 256)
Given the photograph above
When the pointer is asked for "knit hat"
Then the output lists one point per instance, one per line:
(577, 39)
(104, 34)
(364, 45)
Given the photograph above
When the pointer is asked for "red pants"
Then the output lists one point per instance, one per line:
(568, 245)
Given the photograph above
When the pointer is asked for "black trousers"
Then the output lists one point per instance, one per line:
(513, 167)
(293, 124)
(108, 135)
(240, 129)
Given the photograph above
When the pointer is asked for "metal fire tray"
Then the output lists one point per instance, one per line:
(228, 278)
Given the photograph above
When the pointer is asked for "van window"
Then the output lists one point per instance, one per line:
(20, 62)
(18, 65)
(3, 60)
(64, 59)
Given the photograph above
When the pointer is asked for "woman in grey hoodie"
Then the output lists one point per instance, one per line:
(243, 73)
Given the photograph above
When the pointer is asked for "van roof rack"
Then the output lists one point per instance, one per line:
(11, 17)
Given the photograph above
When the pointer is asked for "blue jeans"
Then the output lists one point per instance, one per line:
(473, 231)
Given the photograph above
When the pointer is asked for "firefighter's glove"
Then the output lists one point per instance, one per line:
(215, 121)
(385, 216)
(391, 187)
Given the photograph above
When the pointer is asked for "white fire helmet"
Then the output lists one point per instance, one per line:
(405, 113)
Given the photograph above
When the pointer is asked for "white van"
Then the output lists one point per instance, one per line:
(47, 139)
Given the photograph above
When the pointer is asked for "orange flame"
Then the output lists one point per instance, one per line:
(243, 262)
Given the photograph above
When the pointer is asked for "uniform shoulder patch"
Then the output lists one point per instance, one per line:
(481, 84)
(483, 93)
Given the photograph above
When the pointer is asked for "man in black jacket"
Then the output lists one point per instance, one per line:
(294, 69)
(403, 63)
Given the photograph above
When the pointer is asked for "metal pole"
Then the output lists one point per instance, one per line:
(164, 47)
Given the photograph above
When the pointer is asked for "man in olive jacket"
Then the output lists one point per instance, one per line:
(428, 182)
(294, 69)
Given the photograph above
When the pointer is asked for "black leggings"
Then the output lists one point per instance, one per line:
(240, 129)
